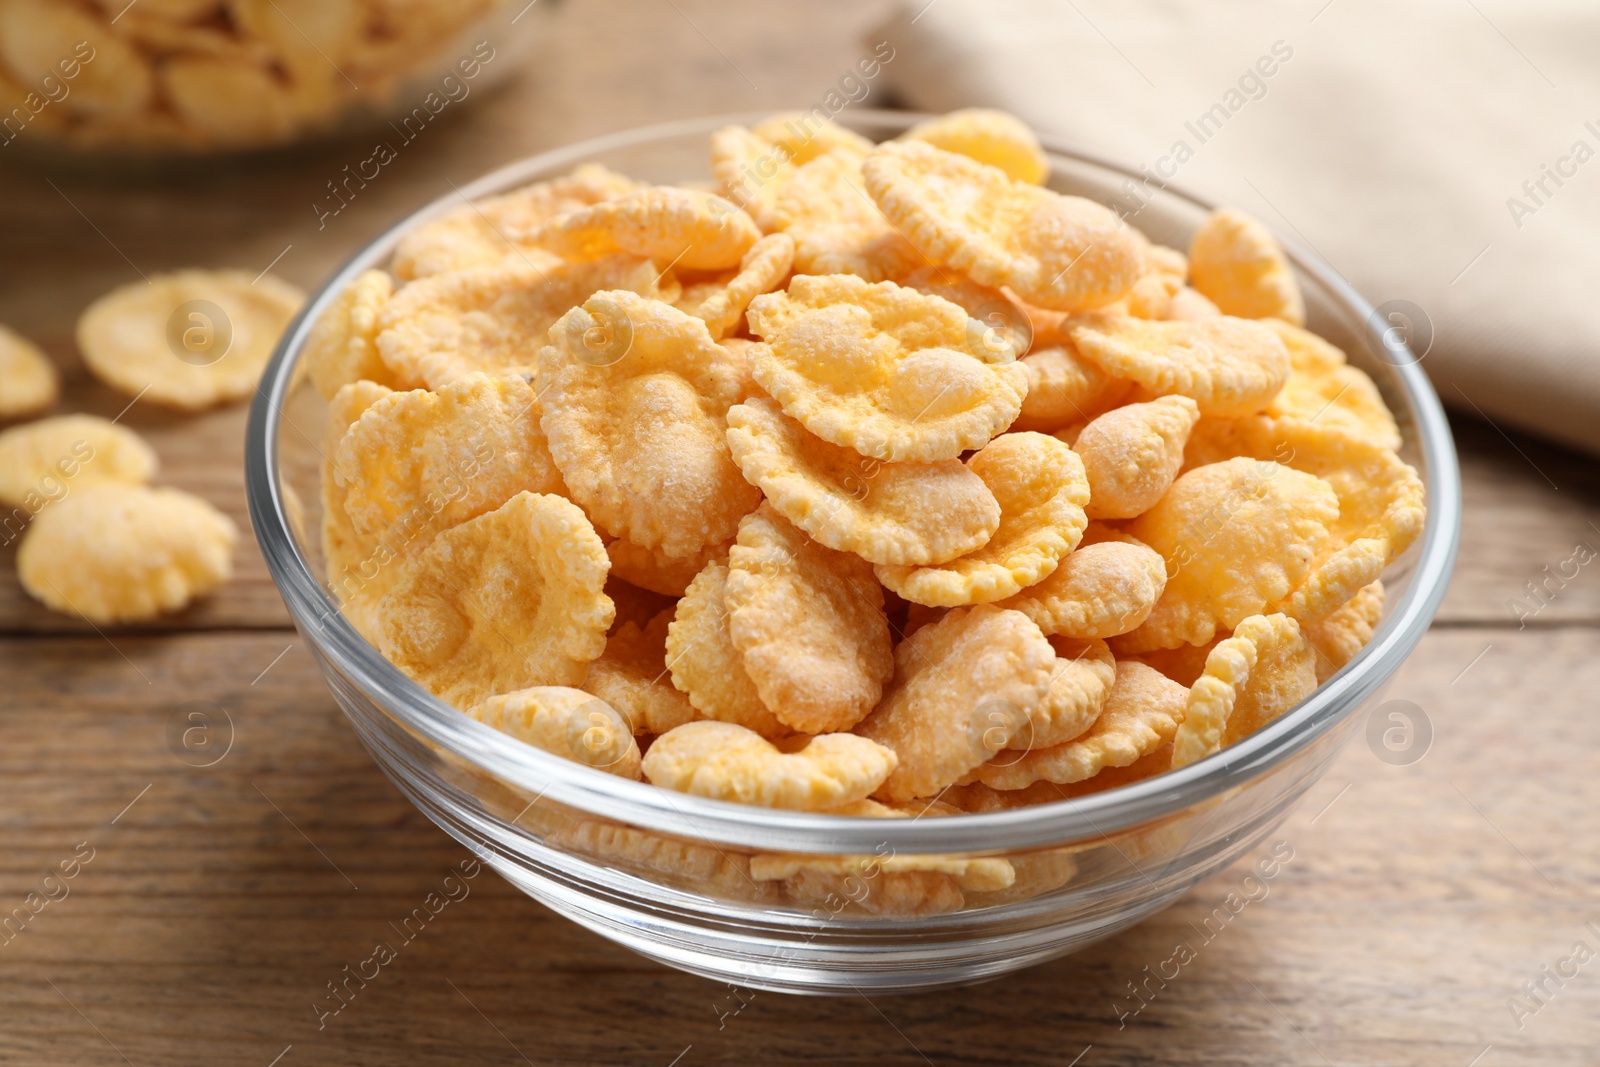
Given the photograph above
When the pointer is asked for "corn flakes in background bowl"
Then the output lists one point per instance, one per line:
(890, 857)
(183, 78)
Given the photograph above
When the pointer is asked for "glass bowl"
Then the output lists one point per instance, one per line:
(667, 874)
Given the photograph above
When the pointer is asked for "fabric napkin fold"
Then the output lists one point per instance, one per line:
(1443, 155)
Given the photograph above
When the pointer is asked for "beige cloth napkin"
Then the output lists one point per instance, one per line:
(1440, 152)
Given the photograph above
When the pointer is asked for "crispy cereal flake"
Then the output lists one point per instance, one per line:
(45, 460)
(187, 340)
(29, 382)
(1340, 634)
(1102, 589)
(997, 138)
(1082, 677)
(509, 600)
(1059, 252)
(1064, 388)
(704, 663)
(1133, 453)
(963, 688)
(635, 396)
(809, 624)
(632, 677)
(1250, 678)
(122, 553)
(1227, 366)
(1237, 263)
(663, 223)
(904, 513)
(882, 369)
(1041, 487)
(343, 344)
(568, 722)
(763, 269)
(727, 762)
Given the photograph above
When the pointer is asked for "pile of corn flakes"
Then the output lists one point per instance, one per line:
(885, 481)
(205, 74)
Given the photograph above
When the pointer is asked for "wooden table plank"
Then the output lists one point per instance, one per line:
(1415, 904)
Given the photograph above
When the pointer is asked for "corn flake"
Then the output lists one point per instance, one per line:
(1237, 536)
(123, 553)
(1132, 454)
(727, 762)
(1082, 677)
(635, 396)
(1225, 365)
(1250, 678)
(882, 369)
(1041, 487)
(29, 382)
(493, 318)
(763, 269)
(809, 624)
(1100, 590)
(836, 227)
(1064, 388)
(911, 512)
(418, 462)
(997, 138)
(1237, 263)
(475, 234)
(1141, 714)
(698, 868)
(1340, 634)
(571, 723)
(163, 340)
(1059, 252)
(962, 689)
(343, 344)
(704, 663)
(41, 461)
(653, 569)
(631, 675)
(663, 223)
(509, 600)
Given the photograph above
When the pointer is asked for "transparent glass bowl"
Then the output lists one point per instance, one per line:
(664, 873)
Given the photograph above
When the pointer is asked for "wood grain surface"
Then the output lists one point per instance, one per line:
(220, 900)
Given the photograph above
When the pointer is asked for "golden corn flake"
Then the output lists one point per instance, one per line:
(836, 227)
(704, 663)
(1141, 714)
(635, 396)
(1237, 536)
(723, 761)
(632, 676)
(1225, 365)
(1251, 678)
(493, 318)
(571, 723)
(666, 224)
(882, 369)
(1001, 322)
(343, 344)
(1082, 677)
(809, 623)
(1132, 454)
(1324, 389)
(1339, 635)
(477, 233)
(804, 136)
(29, 383)
(1190, 304)
(1381, 499)
(750, 172)
(1060, 252)
(911, 512)
(700, 868)
(418, 462)
(653, 569)
(1100, 590)
(187, 340)
(962, 689)
(123, 553)
(357, 567)
(1040, 485)
(1237, 263)
(509, 600)
(763, 269)
(45, 460)
(994, 137)
(1065, 388)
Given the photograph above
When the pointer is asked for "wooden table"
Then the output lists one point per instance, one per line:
(220, 900)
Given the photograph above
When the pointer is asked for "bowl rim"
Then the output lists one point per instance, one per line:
(1096, 816)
